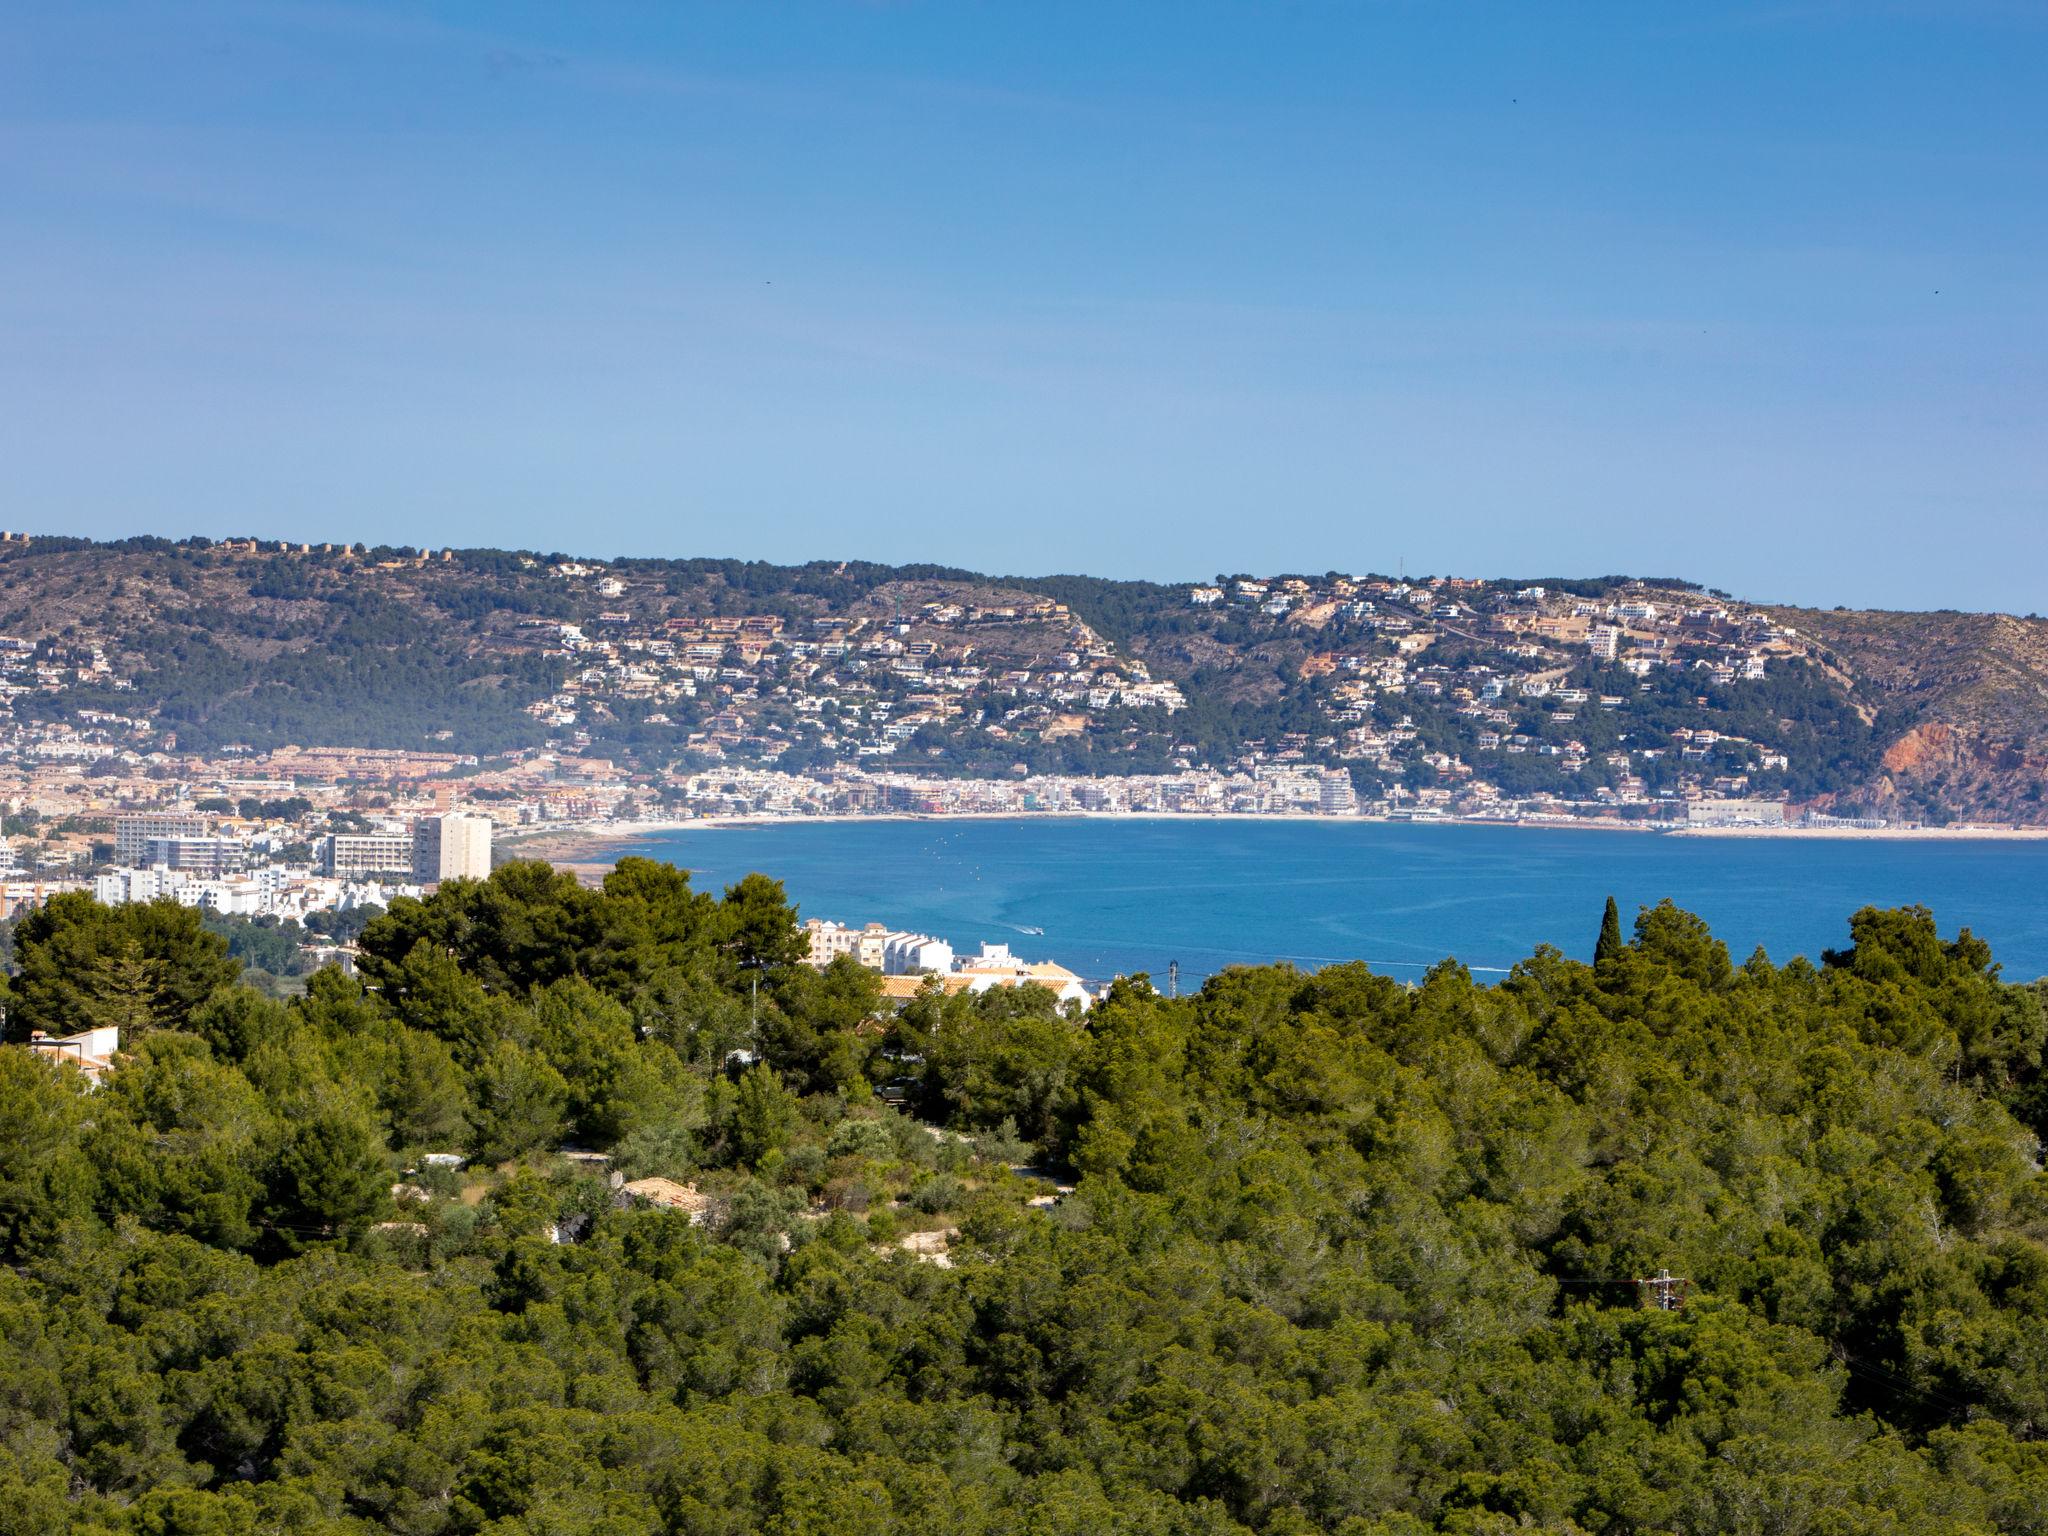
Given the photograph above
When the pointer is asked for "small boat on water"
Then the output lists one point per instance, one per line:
(1038, 931)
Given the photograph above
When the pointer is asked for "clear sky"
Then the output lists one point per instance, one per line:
(1756, 294)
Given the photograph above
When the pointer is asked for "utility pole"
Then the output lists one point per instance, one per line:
(1173, 978)
(1663, 1291)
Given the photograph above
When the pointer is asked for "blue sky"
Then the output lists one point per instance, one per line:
(1756, 294)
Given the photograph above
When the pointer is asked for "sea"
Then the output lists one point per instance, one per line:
(1108, 897)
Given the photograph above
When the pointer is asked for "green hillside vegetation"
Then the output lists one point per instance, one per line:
(1339, 1256)
(208, 647)
(328, 650)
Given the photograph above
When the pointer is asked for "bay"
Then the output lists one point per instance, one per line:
(1116, 896)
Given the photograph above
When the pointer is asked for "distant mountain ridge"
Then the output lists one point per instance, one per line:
(1608, 694)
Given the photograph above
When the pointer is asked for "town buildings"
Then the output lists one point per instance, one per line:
(1420, 700)
(911, 961)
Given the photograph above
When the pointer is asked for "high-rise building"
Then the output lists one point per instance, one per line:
(452, 847)
(367, 855)
(132, 833)
(1335, 796)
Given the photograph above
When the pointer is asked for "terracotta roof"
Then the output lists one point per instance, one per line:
(904, 988)
(1014, 971)
(1046, 970)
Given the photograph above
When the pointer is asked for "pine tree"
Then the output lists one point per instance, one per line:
(121, 990)
(330, 1174)
(1610, 934)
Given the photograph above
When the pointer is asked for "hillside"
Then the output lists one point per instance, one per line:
(500, 1238)
(1605, 696)
(1962, 705)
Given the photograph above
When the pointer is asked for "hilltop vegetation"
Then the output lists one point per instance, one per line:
(1472, 692)
(1963, 700)
(1339, 1255)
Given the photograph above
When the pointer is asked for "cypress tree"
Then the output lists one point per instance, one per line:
(1610, 934)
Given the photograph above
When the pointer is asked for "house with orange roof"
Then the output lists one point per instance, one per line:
(995, 966)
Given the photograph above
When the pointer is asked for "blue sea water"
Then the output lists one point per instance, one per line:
(1116, 897)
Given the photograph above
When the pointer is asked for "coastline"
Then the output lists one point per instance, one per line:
(1961, 834)
(585, 845)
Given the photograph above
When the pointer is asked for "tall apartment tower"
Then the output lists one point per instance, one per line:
(1337, 797)
(452, 847)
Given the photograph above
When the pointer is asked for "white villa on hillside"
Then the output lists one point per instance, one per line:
(92, 1051)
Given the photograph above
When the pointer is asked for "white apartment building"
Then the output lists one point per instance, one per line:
(132, 833)
(118, 887)
(208, 858)
(363, 855)
(830, 940)
(913, 954)
(244, 895)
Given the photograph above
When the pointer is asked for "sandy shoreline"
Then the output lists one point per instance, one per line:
(585, 845)
(1962, 834)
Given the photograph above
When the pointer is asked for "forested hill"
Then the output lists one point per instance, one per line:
(1299, 1254)
(1604, 693)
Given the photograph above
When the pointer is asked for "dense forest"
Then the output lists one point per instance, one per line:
(1301, 1253)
